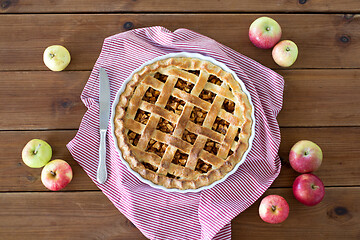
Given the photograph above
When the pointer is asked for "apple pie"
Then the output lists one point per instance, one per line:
(183, 123)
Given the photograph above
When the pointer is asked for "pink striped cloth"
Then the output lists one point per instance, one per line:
(170, 215)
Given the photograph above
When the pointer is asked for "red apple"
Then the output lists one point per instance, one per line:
(285, 53)
(56, 175)
(308, 189)
(305, 156)
(264, 32)
(274, 209)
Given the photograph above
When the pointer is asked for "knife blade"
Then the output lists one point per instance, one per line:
(104, 121)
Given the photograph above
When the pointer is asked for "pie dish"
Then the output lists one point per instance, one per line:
(183, 122)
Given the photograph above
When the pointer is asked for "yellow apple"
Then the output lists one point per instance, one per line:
(56, 58)
(36, 153)
(285, 53)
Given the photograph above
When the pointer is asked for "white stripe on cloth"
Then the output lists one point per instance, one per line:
(164, 215)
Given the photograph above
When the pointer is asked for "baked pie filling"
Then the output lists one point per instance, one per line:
(183, 123)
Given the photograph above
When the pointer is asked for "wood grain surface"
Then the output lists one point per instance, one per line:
(41, 100)
(340, 166)
(321, 103)
(45, 6)
(60, 215)
(321, 98)
(339, 156)
(16, 176)
(324, 40)
(90, 215)
(51, 100)
(334, 218)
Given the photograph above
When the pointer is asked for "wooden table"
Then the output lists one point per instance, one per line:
(321, 103)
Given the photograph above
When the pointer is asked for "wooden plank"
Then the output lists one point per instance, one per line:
(324, 40)
(341, 166)
(48, 100)
(336, 217)
(41, 100)
(16, 176)
(340, 147)
(44, 6)
(90, 215)
(321, 98)
(84, 215)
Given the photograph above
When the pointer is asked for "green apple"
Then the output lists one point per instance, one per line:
(56, 58)
(36, 153)
(285, 53)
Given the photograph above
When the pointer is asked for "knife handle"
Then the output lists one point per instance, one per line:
(101, 170)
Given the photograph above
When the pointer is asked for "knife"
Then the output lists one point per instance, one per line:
(104, 120)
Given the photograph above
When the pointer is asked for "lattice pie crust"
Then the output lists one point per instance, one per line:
(183, 123)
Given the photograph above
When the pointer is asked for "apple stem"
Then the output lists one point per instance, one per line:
(267, 29)
(287, 49)
(53, 173)
(52, 55)
(37, 148)
(273, 208)
(314, 186)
